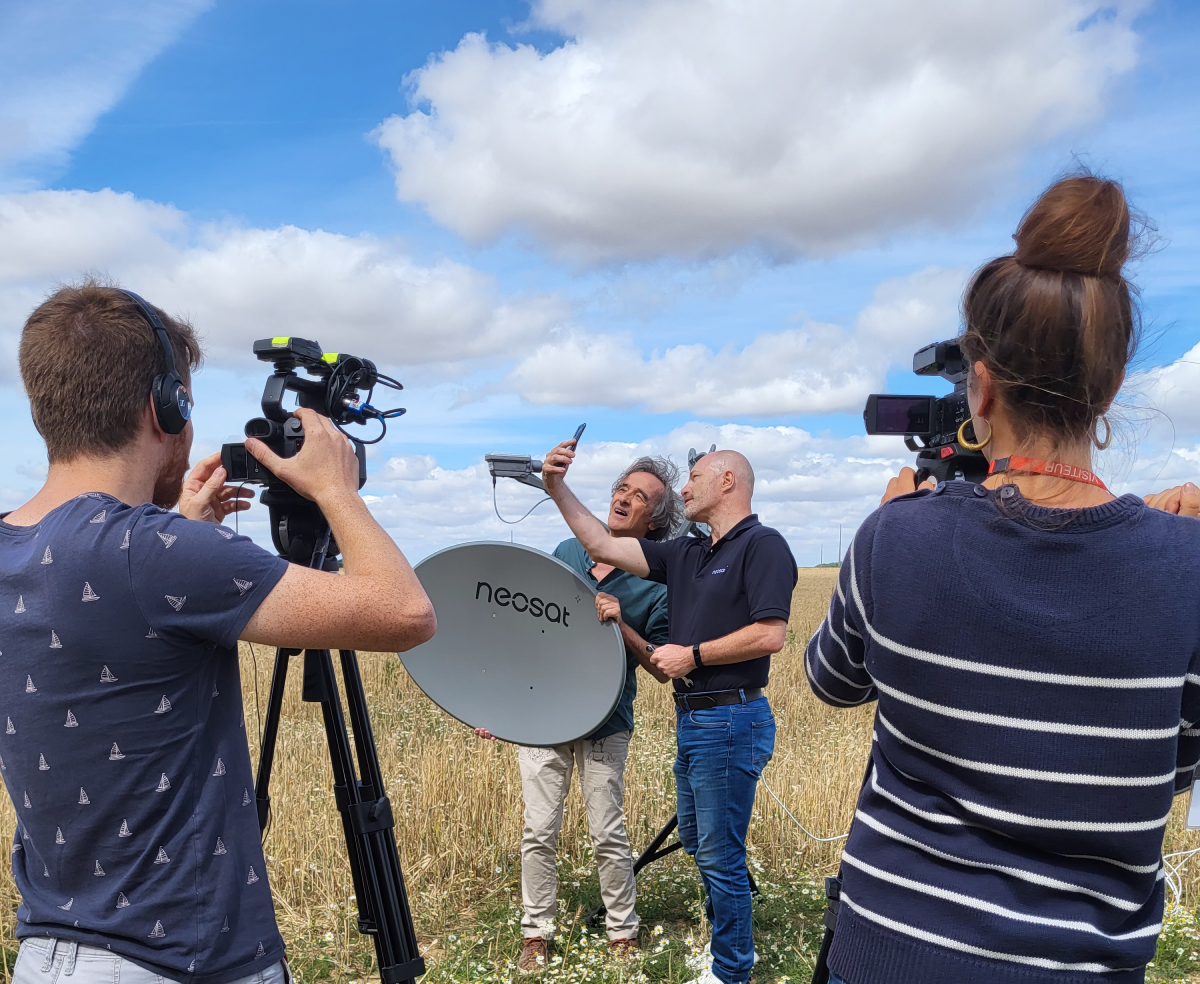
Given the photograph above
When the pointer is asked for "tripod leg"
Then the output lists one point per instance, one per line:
(266, 749)
(368, 824)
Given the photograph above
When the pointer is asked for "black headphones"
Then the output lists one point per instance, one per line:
(172, 402)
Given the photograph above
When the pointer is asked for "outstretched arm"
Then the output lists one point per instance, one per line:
(623, 552)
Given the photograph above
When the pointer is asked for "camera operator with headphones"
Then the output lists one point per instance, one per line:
(138, 853)
(1033, 645)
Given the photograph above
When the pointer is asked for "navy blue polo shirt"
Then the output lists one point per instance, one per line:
(712, 591)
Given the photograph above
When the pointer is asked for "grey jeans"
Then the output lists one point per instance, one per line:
(51, 961)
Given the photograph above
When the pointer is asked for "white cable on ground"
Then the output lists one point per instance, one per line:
(1172, 876)
(822, 840)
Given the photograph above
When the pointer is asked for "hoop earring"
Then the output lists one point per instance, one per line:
(980, 445)
(1102, 445)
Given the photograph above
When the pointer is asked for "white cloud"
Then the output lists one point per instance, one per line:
(696, 127)
(817, 368)
(806, 485)
(1172, 390)
(351, 293)
(65, 63)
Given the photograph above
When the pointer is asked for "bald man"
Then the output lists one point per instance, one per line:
(728, 600)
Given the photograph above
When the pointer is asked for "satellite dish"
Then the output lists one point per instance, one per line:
(518, 649)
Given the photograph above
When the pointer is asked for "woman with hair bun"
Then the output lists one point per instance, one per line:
(1033, 644)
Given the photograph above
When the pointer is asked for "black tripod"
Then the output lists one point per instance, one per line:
(302, 536)
(652, 853)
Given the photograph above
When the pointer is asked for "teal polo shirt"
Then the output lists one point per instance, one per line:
(643, 608)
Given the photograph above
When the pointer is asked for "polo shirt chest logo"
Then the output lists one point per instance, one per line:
(719, 570)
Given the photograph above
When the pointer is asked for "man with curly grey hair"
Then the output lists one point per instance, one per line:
(644, 504)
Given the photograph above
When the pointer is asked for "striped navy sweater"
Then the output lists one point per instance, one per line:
(1037, 678)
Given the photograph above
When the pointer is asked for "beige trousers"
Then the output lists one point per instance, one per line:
(545, 781)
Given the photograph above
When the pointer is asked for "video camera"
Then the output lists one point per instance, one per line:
(297, 526)
(935, 420)
(333, 394)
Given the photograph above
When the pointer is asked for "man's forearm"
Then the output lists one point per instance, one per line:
(641, 651)
(369, 553)
(749, 642)
(621, 552)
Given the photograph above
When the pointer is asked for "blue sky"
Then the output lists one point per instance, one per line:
(679, 228)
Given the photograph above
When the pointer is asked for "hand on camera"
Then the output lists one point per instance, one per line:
(485, 734)
(206, 497)
(608, 607)
(325, 465)
(1183, 500)
(555, 465)
(903, 484)
(674, 661)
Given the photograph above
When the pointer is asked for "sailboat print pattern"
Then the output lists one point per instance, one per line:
(189, 580)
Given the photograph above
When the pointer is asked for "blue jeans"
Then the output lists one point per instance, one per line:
(722, 752)
(834, 979)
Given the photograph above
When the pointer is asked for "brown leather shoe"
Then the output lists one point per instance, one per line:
(624, 949)
(535, 956)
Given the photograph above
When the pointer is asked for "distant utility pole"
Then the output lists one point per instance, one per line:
(839, 544)
(822, 555)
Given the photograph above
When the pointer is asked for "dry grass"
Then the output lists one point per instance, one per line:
(458, 806)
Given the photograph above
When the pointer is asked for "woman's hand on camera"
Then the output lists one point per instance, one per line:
(206, 497)
(903, 484)
(325, 465)
(1183, 500)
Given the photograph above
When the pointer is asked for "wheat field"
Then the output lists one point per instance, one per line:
(457, 800)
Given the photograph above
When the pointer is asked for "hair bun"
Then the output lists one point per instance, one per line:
(1079, 225)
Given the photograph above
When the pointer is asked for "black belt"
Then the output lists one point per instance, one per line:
(717, 698)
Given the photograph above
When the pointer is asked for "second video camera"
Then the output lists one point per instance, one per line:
(932, 420)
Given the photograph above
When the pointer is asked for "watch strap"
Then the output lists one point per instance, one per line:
(696, 654)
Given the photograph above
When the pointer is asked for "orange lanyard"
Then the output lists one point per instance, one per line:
(1072, 473)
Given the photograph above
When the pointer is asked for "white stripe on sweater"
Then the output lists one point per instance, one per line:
(982, 905)
(829, 667)
(1074, 778)
(1027, 724)
(1011, 673)
(1019, 873)
(946, 818)
(836, 700)
(977, 951)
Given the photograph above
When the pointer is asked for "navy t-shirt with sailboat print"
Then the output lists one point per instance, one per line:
(123, 741)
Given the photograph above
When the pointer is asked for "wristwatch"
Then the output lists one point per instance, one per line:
(696, 654)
